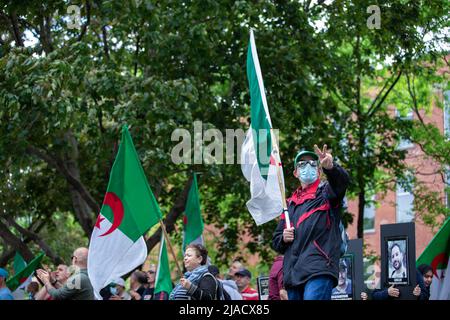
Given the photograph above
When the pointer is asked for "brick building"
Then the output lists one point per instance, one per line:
(396, 205)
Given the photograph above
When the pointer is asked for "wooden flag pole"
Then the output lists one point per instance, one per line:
(163, 227)
(280, 181)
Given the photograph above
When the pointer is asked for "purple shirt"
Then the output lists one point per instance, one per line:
(276, 278)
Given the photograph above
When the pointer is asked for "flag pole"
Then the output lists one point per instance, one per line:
(163, 227)
(158, 262)
(280, 181)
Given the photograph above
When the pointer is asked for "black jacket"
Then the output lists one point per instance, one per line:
(315, 214)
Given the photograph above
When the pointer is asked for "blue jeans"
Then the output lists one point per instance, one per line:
(317, 288)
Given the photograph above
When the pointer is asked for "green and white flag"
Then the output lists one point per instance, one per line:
(163, 284)
(192, 219)
(23, 274)
(259, 158)
(129, 210)
(437, 255)
(19, 264)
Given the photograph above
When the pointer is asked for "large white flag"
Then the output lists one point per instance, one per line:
(260, 160)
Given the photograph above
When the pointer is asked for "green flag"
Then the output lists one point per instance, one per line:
(437, 255)
(129, 210)
(193, 222)
(128, 183)
(260, 160)
(19, 263)
(25, 273)
(163, 285)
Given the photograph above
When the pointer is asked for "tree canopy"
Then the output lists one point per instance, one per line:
(158, 66)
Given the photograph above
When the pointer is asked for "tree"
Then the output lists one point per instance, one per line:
(159, 66)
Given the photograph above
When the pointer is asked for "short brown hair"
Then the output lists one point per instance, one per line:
(200, 251)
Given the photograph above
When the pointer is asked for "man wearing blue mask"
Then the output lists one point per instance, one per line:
(312, 244)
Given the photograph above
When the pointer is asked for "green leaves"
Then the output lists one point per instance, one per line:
(170, 63)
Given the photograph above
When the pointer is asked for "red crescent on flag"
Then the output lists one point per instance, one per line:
(114, 202)
(272, 160)
(436, 261)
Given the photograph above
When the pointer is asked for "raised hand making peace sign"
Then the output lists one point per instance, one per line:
(325, 158)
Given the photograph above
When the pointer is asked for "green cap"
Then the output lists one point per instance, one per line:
(305, 153)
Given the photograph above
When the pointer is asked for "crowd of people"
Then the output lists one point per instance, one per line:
(201, 281)
(308, 267)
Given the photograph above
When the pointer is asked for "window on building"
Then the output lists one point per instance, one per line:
(369, 216)
(371, 274)
(404, 204)
(405, 143)
(447, 188)
(447, 114)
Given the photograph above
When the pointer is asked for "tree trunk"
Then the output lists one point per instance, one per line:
(15, 30)
(81, 209)
(177, 209)
(361, 205)
(170, 220)
(360, 178)
(8, 255)
(15, 242)
(59, 165)
(38, 240)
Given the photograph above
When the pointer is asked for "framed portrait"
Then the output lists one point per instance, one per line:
(397, 261)
(398, 257)
(263, 288)
(344, 290)
(350, 280)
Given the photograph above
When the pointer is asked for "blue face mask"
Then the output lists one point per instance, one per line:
(308, 174)
(113, 290)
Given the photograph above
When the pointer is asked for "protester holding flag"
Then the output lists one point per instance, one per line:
(312, 243)
(78, 286)
(197, 283)
(426, 272)
(437, 255)
(5, 293)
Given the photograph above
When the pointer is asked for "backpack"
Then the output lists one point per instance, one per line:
(222, 294)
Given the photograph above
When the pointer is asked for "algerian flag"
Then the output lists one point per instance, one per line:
(163, 280)
(437, 255)
(192, 219)
(129, 210)
(23, 273)
(19, 264)
(259, 158)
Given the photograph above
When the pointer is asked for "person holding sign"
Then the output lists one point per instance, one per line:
(312, 243)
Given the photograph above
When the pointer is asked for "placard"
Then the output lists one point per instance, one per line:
(398, 256)
(263, 288)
